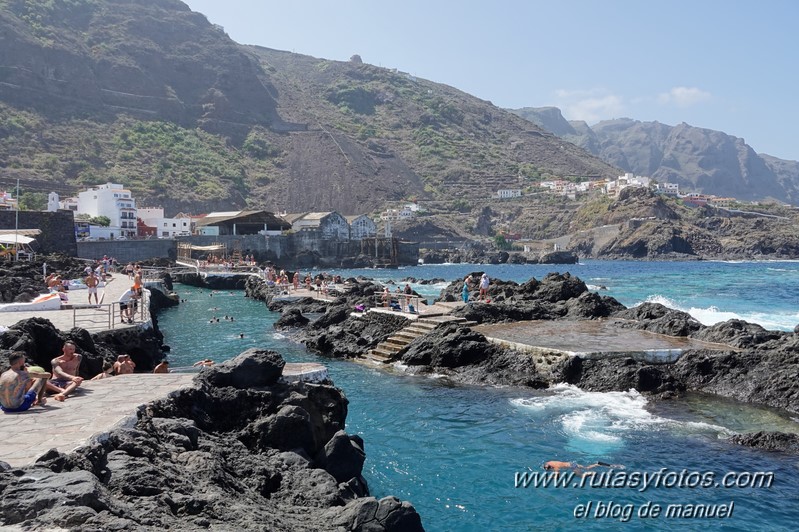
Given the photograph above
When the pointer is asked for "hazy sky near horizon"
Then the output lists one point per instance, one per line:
(728, 65)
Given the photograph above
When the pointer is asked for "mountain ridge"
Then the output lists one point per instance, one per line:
(151, 95)
(699, 159)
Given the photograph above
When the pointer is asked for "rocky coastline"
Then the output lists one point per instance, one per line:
(754, 365)
(240, 449)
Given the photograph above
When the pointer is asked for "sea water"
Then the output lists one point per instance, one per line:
(463, 455)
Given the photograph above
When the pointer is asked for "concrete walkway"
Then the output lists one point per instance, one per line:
(82, 315)
(95, 409)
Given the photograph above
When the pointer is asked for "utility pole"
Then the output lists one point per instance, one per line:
(16, 228)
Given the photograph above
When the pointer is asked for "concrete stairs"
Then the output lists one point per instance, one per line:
(390, 349)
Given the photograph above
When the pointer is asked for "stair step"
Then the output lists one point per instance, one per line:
(385, 351)
(407, 335)
(420, 329)
(395, 342)
(371, 355)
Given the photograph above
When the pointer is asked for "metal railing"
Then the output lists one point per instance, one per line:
(106, 316)
(399, 302)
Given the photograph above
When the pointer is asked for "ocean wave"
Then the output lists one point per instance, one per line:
(604, 418)
(712, 315)
(278, 336)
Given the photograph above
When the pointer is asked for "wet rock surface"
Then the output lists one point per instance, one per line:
(556, 296)
(751, 364)
(41, 342)
(769, 441)
(352, 336)
(238, 451)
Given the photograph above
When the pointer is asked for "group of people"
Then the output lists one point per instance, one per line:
(23, 386)
(400, 295)
(483, 285)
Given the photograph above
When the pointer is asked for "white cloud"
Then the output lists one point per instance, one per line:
(591, 105)
(684, 96)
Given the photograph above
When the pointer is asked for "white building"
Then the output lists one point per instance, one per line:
(669, 188)
(390, 215)
(7, 202)
(165, 227)
(329, 224)
(509, 193)
(113, 201)
(361, 226)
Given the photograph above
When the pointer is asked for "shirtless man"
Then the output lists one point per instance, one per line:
(65, 373)
(124, 365)
(19, 388)
(91, 281)
(163, 367)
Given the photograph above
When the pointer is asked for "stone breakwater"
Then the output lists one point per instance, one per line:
(240, 450)
(753, 364)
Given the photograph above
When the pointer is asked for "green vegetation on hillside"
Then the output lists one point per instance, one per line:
(160, 162)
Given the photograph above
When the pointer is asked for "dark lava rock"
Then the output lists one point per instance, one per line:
(764, 376)
(291, 318)
(657, 318)
(737, 333)
(769, 441)
(449, 346)
(352, 337)
(252, 368)
(616, 374)
(212, 457)
(555, 297)
(343, 456)
(42, 342)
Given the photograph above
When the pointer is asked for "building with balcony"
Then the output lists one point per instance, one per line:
(112, 201)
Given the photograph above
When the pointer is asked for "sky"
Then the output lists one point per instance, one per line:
(727, 65)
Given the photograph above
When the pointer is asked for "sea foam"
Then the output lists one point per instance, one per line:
(605, 418)
(712, 315)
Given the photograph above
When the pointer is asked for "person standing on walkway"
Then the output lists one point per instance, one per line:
(19, 388)
(126, 306)
(91, 281)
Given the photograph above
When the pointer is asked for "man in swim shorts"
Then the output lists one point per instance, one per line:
(91, 281)
(19, 388)
(65, 373)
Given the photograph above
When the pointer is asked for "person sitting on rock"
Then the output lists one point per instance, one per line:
(124, 365)
(65, 372)
(21, 387)
(162, 367)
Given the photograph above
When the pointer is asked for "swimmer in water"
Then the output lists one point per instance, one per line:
(556, 466)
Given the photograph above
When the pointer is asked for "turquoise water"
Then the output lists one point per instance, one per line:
(454, 451)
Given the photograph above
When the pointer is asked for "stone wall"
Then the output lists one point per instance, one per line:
(278, 249)
(125, 251)
(58, 229)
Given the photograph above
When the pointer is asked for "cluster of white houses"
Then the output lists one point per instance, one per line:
(127, 221)
(612, 187)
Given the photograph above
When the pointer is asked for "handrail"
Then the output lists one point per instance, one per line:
(405, 301)
(105, 316)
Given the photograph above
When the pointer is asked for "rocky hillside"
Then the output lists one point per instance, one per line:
(698, 159)
(150, 94)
